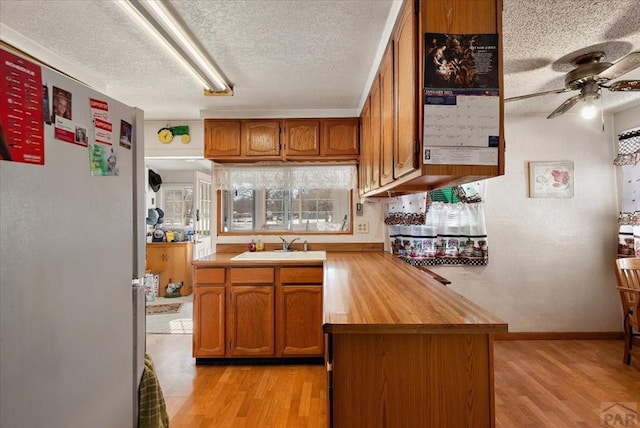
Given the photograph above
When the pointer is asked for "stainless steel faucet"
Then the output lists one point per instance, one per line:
(286, 245)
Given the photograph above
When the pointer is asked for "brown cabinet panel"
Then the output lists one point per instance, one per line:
(302, 137)
(301, 275)
(222, 138)
(208, 320)
(406, 85)
(261, 138)
(251, 321)
(209, 275)
(172, 261)
(257, 275)
(386, 111)
(300, 320)
(365, 173)
(340, 136)
(376, 131)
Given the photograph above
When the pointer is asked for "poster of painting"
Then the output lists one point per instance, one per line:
(61, 104)
(103, 160)
(21, 126)
(125, 134)
(551, 179)
(461, 60)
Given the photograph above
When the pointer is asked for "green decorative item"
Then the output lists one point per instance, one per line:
(166, 134)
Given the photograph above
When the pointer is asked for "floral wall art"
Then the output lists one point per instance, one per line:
(551, 179)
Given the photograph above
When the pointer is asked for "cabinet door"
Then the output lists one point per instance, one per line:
(178, 266)
(221, 138)
(261, 138)
(365, 144)
(208, 321)
(406, 122)
(340, 137)
(376, 131)
(157, 262)
(302, 137)
(251, 321)
(300, 320)
(386, 110)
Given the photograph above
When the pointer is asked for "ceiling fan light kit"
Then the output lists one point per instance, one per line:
(591, 73)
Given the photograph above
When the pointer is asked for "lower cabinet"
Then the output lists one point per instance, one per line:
(208, 312)
(208, 309)
(258, 312)
(250, 321)
(300, 320)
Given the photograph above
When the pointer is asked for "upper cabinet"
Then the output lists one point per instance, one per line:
(221, 138)
(340, 137)
(417, 136)
(405, 44)
(301, 137)
(261, 138)
(252, 140)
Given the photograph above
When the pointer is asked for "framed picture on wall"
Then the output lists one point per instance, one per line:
(551, 179)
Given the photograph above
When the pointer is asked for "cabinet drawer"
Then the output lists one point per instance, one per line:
(262, 275)
(301, 275)
(209, 276)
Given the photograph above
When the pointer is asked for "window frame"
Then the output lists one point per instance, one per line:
(221, 216)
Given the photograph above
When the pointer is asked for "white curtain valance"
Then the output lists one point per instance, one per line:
(262, 177)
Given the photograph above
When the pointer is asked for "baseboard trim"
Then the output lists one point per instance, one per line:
(569, 335)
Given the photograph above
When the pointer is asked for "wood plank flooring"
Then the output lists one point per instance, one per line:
(538, 383)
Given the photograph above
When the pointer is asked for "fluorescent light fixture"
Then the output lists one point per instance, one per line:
(158, 20)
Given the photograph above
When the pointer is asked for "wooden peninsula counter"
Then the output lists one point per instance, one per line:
(401, 349)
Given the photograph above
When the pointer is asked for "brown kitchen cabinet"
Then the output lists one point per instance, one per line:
(257, 311)
(387, 116)
(340, 137)
(251, 312)
(366, 160)
(299, 313)
(172, 261)
(261, 138)
(374, 144)
(301, 137)
(209, 311)
(253, 140)
(222, 138)
(401, 166)
(407, 85)
(250, 321)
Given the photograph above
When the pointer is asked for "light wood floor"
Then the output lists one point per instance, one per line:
(538, 384)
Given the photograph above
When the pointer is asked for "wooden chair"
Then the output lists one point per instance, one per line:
(628, 275)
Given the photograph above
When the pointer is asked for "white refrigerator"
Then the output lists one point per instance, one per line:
(71, 248)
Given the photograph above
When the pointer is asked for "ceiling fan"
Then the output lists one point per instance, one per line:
(589, 75)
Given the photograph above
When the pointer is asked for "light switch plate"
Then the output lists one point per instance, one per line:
(359, 209)
(362, 227)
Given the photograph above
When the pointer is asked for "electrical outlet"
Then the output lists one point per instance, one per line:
(362, 227)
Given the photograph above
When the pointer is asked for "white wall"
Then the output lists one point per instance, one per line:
(627, 119)
(153, 147)
(551, 260)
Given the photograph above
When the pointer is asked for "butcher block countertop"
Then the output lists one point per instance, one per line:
(375, 292)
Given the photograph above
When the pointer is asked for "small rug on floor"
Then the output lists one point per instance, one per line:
(165, 308)
(180, 322)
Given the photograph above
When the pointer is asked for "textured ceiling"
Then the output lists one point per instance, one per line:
(297, 57)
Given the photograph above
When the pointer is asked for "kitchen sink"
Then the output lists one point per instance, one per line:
(281, 255)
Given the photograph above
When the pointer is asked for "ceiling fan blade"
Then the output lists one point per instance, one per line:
(624, 85)
(565, 106)
(537, 94)
(623, 66)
